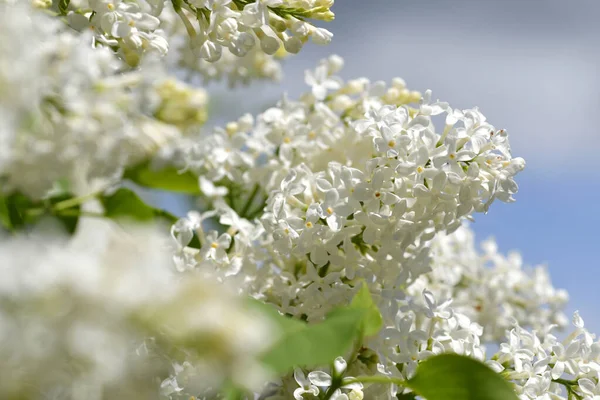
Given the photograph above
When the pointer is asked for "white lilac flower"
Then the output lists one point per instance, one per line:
(491, 288)
(317, 382)
(238, 39)
(541, 366)
(104, 314)
(355, 188)
(81, 119)
(130, 26)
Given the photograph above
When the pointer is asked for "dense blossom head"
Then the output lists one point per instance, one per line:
(239, 37)
(357, 179)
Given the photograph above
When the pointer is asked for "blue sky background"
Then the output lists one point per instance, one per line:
(532, 67)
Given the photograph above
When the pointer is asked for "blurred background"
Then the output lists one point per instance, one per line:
(531, 66)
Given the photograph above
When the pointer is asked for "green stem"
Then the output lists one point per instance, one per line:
(74, 202)
(569, 386)
(335, 385)
(76, 213)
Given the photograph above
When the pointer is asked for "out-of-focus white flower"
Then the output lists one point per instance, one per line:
(491, 288)
(104, 314)
(68, 112)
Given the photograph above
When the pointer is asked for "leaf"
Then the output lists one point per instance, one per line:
(285, 324)
(125, 203)
(4, 214)
(233, 393)
(167, 178)
(17, 205)
(316, 344)
(68, 221)
(406, 396)
(450, 376)
(18, 211)
(372, 320)
(63, 6)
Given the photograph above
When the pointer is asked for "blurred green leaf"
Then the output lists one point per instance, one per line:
(17, 205)
(68, 221)
(126, 204)
(63, 6)
(5, 214)
(317, 344)
(167, 178)
(450, 376)
(372, 320)
(285, 324)
(406, 396)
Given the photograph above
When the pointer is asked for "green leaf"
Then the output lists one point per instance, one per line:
(126, 204)
(68, 221)
(372, 320)
(63, 6)
(167, 178)
(17, 211)
(17, 205)
(5, 215)
(406, 396)
(450, 376)
(233, 393)
(317, 344)
(285, 324)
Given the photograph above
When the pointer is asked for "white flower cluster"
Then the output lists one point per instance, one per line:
(215, 38)
(319, 382)
(241, 25)
(353, 184)
(355, 187)
(131, 27)
(104, 315)
(67, 111)
(490, 288)
(543, 367)
(358, 182)
(422, 327)
(254, 65)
